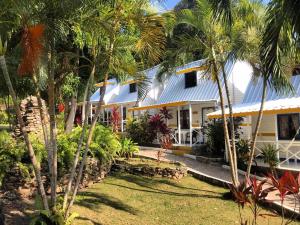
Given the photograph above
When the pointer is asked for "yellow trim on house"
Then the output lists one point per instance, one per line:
(101, 84)
(197, 68)
(265, 134)
(253, 113)
(172, 104)
(245, 124)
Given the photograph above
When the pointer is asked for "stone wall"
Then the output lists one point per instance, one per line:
(175, 172)
(30, 112)
(15, 185)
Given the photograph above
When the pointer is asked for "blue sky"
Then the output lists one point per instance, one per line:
(169, 4)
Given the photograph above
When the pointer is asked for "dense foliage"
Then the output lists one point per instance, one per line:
(105, 147)
(140, 130)
(3, 117)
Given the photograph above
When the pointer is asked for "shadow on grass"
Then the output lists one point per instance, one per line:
(147, 182)
(91, 200)
(92, 221)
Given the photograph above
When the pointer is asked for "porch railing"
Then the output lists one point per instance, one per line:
(197, 136)
(288, 152)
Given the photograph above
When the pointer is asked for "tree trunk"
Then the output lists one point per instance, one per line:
(44, 118)
(232, 128)
(258, 122)
(85, 100)
(94, 121)
(89, 140)
(233, 171)
(35, 163)
(66, 110)
(71, 116)
(53, 129)
(76, 159)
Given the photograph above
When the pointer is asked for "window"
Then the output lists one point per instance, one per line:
(184, 119)
(288, 125)
(132, 88)
(124, 113)
(190, 79)
(296, 70)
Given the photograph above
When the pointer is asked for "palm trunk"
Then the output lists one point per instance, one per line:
(53, 130)
(89, 140)
(226, 135)
(258, 122)
(35, 163)
(94, 121)
(233, 170)
(44, 118)
(76, 159)
(71, 116)
(232, 128)
(84, 105)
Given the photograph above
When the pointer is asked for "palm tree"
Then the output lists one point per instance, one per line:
(266, 60)
(212, 39)
(120, 22)
(34, 161)
(283, 22)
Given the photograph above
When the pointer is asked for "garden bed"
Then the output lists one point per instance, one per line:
(151, 168)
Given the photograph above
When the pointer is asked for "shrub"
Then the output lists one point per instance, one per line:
(3, 117)
(10, 153)
(214, 132)
(105, 144)
(269, 154)
(243, 153)
(128, 148)
(140, 130)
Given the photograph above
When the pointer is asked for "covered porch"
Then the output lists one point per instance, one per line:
(188, 118)
(122, 109)
(280, 128)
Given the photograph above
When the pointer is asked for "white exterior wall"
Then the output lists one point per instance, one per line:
(238, 81)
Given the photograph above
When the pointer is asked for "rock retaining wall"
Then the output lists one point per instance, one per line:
(30, 112)
(151, 171)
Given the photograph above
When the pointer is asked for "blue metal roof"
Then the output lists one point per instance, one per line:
(254, 91)
(206, 89)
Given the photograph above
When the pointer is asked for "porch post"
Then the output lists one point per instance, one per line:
(249, 123)
(91, 111)
(122, 125)
(276, 139)
(103, 116)
(179, 126)
(107, 117)
(191, 125)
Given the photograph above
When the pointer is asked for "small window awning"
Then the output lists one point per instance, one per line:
(279, 106)
(171, 104)
(102, 84)
(192, 69)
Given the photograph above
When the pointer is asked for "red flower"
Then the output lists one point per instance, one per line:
(32, 48)
(61, 107)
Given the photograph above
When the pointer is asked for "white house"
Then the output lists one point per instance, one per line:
(125, 96)
(190, 95)
(280, 122)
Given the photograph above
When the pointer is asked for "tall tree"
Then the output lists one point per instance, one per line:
(129, 36)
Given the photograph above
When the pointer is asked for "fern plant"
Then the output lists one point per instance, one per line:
(128, 148)
(269, 154)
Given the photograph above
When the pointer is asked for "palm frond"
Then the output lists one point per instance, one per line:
(222, 10)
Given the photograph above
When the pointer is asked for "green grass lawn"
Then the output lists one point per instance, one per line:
(128, 199)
